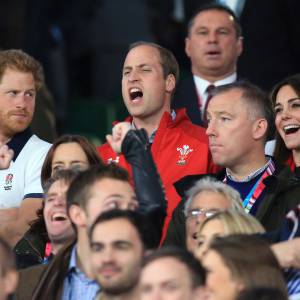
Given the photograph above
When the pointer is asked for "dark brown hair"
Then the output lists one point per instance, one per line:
(281, 152)
(87, 147)
(168, 61)
(219, 7)
(250, 261)
(80, 189)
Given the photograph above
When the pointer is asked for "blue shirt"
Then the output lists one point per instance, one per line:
(76, 284)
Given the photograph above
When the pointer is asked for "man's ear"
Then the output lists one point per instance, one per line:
(10, 281)
(240, 45)
(259, 129)
(170, 83)
(77, 215)
(187, 47)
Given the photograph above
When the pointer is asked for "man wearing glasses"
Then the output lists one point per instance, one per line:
(205, 198)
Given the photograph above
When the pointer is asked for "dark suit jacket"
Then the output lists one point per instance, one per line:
(28, 279)
(186, 97)
(45, 282)
(271, 31)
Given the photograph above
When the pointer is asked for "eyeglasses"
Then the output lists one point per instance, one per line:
(195, 213)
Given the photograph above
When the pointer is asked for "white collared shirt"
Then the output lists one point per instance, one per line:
(202, 84)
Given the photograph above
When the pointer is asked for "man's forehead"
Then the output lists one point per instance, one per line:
(119, 229)
(209, 199)
(143, 54)
(166, 265)
(214, 16)
(228, 101)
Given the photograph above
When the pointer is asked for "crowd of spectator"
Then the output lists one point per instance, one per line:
(195, 195)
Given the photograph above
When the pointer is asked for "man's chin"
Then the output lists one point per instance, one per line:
(18, 127)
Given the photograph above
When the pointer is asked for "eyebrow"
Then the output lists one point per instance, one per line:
(289, 101)
(72, 161)
(121, 242)
(138, 66)
(223, 112)
(49, 195)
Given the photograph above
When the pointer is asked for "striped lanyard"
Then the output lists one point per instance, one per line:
(257, 189)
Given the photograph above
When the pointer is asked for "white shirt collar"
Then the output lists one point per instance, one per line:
(202, 84)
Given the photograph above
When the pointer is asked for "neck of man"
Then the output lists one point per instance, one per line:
(84, 253)
(151, 123)
(56, 245)
(130, 295)
(244, 169)
(4, 139)
(212, 76)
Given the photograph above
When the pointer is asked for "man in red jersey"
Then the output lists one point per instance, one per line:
(179, 148)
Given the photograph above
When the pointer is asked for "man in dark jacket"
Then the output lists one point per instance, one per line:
(239, 118)
(8, 272)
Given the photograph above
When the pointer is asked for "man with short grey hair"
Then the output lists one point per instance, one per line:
(205, 198)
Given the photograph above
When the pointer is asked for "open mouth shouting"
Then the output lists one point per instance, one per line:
(59, 217)
(290, 129)
(136, 94)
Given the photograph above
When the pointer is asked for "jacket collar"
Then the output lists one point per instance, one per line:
(18, 142)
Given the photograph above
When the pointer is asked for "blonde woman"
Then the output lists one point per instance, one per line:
(225, 223)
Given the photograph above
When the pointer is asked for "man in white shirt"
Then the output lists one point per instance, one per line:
(20, 187)
(213, 44)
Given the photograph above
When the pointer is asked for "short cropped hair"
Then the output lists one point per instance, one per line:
(7, 258)
(210, 184)
(167, 59)
(195, 269)
(148, 235)
(65, 175)
(21, 61)
(235, 222)
(220, 7)
(258, 102)
(79, 191)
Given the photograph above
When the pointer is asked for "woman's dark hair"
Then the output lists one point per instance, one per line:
(262, 293)
(250, 261)
(282, 153)
(87, 147)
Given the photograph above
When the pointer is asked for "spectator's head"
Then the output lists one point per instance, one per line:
(21, 62)
(20, 77)
(286, 100)
(149, 77)
(58, 224)
(206, 198)
(239, 117)
(8, 272)
(239, 262)
(213, 42)
(118, 241)
(225, 223)
(99, 189)
(69, 151)
(171, 273)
